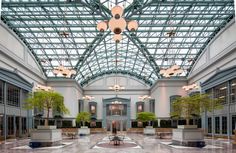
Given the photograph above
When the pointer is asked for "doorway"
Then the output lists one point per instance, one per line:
(117, 125)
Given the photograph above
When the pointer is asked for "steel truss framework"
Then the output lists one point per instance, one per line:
(39, 23)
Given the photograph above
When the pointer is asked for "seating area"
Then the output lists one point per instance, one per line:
(116, 139)
(70, 132)
(135, 130)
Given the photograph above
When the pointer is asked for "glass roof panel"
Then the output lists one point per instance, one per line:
(64, 32)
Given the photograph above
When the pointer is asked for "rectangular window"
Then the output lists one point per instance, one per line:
(13, 95)
(10, 125)
(209, 123)
(81, 106)
(220, 91)
(172, 100)
(1, 92)
(23, 125)
(1, 124)
(233, 91)
(139, 107)
(217, 125)
(233, 123)
(152, 106)
(224, 124)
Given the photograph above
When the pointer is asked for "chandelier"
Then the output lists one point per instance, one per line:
(190, 87)
(44, 88)
(61, 70)
(172, 71)
(116, 102)
(116, 87)
(144, 97)
(117, 24)
(88, 97)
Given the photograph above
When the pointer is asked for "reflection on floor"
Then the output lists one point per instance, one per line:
(90, 144)
(126, 143)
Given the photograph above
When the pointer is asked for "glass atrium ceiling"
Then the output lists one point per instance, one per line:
(41, 23)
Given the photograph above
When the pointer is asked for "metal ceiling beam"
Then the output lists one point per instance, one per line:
(86, 81)
(97, 40)
(94, 25)
(95, 31)
(144, 50)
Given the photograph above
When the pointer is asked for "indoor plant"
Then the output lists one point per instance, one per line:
(188, 107)
(83, 117)
(46, 101)
(147, 117)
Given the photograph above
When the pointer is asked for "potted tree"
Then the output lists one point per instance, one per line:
(187, 108)
(83, 117)
(47, 101)
(147, 117)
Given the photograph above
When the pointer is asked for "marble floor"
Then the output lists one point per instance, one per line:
(146, 144)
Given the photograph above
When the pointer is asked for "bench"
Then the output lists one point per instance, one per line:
(70, 132)
(135, 130)
(164, 135)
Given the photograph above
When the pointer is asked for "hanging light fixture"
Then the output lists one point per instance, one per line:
(116, 87)
(174, 70)
(86, 97)
(102, 26)
(117, 23)
(190, 87)
(117, 11)
(144, 97)
(116, 102)
(132, 25)
(61, 70)
(44, 88)
(117, 38)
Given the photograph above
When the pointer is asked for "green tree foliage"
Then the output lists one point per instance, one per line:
(190, 106)
(83, 117)
(146, 116)
(46, 100)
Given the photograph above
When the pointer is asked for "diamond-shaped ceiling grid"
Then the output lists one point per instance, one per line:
(170, 32)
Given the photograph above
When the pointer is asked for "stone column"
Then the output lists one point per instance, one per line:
(228, 112)
(5, 113)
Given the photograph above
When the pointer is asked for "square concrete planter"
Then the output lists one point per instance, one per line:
(149, 130)
(188, 135)
(46, 136)
(84, 130)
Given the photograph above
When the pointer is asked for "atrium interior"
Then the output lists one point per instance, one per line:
(112, 76)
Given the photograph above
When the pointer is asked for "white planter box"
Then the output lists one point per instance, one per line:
(149, 130)
(46, 127)
(187, 126)
(188, 136)
(84, 131)
(46, 136)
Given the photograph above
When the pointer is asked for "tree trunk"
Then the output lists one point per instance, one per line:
(187, 121)
(46, 120)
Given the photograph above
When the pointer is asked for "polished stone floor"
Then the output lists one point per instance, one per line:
(148, 144)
